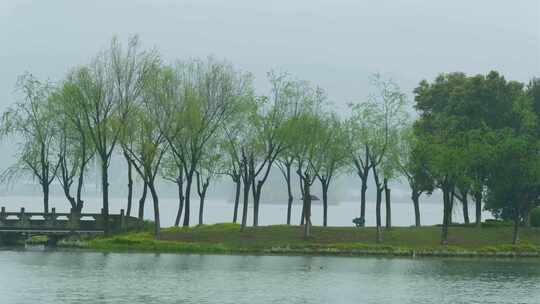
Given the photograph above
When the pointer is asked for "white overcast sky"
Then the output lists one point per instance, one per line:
(333, 43)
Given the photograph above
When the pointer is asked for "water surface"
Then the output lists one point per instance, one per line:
(220, 211)
(87, 277)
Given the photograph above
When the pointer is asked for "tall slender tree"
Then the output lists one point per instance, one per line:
(331, 155)
(31, 120)
(109, 86)
(149, 145)
(205, 95)
(411, 162)
(75, 150)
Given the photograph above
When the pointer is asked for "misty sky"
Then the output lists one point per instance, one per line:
(336, 44)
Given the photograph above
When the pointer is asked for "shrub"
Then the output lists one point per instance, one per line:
(496, 223)
(534, 217)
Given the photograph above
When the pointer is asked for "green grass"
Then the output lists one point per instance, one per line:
(282, 239)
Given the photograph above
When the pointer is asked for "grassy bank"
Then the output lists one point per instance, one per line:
(281, 239)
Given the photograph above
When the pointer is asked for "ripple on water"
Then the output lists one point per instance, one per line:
(75, 277)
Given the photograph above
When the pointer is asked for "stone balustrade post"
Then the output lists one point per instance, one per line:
(50, 219)
(122, 220)
(3, 216)
(24, 219)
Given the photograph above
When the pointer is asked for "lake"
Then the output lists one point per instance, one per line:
(87, 277)
(220, 211)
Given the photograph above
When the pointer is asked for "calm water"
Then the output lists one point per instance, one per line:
(85, 277)
(219, 211)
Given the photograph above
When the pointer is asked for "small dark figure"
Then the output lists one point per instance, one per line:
(359, 221)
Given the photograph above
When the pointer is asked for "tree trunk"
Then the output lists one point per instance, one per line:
(289, 193)
(388, 206)
(82, 167)
(245, 204)
(130, 186)
(66, 188)
(105, 191)
(44, 180)
(478, 203)
(325, 202)
(180, 184)
(201, 208)
(515, 234)
(256, 200)
(45, 187)
(142, 200)
(378, 213)
(447, 211)
(307, 208)
(363, 196)
(80, 184)
(303, 212)
(238, 183)
(157, 224)
(465, 204)
(189, 179)
(201, 190)
(415, 198)
(450, 216)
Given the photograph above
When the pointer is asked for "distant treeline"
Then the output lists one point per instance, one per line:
(193, 121)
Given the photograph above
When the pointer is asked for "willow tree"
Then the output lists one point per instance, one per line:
(204, 97)
(74, 147)
(268, 122)
(234, 143)
(211, 167)
(389, 171)
(149, 145)
(377, 122)
(30, 121)
(109, 86)
(332, 155)
(304, 142)
(240, 144)
(358, 132)
(307, 128)
(173, 171)
(411, 161)
(295, 98)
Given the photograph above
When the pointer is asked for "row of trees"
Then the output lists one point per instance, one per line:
(194, 121)
(477, 137)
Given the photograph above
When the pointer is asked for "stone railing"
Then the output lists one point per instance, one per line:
(73, 221)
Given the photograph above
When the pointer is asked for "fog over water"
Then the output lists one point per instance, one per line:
(335, 44)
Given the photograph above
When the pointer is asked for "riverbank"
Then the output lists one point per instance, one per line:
(287, 240)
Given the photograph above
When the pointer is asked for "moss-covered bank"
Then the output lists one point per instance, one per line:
(287, 240)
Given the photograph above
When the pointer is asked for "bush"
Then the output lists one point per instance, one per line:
(534, 217)
(147, 226)
(496, 223)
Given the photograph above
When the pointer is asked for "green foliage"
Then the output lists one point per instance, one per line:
(534, 217)
(479, 134)
(489, 223)
(410, 160)
(31, 121)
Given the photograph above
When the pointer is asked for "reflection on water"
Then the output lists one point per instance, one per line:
(76, 277)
